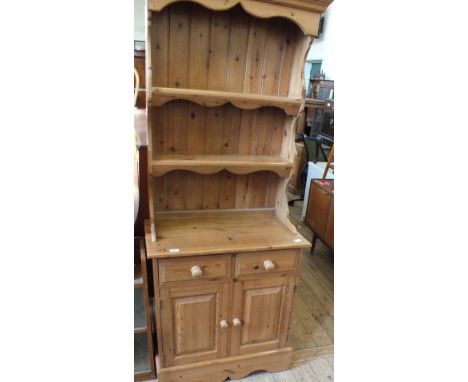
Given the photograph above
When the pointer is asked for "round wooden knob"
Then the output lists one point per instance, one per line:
(236, 322)
(196, 271)
(224, 324)
(268, 265)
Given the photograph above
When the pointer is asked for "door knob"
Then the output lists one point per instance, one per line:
(236, 322)
(224, 324)
(268, 265)
(196, 271)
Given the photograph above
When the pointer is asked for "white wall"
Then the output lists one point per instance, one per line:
(139, 20)
(322, 48)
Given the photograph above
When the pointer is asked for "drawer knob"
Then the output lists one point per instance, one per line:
(224, 324)
(268, 265)
(237, 322)
(196, 271)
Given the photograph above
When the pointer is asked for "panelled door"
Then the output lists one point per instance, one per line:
(191, 317)
(260, 313)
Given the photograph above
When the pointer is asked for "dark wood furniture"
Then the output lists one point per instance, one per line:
(320, 212)
(144, 367)
(142, 143)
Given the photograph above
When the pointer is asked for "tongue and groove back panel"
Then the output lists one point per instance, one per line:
(186, 128)
(192, 47)
(184, 190)
(197, 48)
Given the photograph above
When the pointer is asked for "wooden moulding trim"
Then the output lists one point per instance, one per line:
(235, 367)
(211, 164)
(305, 14)
(212, 98)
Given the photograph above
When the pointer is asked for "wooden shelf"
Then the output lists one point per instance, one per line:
(211, 98)
(210, 164)
(219, 231)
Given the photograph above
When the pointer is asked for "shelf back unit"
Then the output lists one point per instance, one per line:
(225, 87)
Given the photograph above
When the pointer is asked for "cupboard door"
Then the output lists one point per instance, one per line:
(260, 316)
(318, 208)
(329, 236)
(190, 321)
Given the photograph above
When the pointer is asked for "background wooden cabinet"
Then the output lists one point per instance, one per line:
(320, 211)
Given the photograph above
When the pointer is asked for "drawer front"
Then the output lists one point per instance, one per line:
(194, 268)
(256, 263)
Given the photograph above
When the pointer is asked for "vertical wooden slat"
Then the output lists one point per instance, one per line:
(211, 191)
(237, 51)
(227, 192)
(242, 192)
(272, 185)
(277, 132)
(179, 48)
(195, 129)
(195, 145)
(273, 57)
(159, 51)
(255, 56)
(194, 195)
(159, 129)
(291, 38)
(214, 127)
(159, 192)
(296, 83)
(230, 141)
(266, 120)
(248, 132)
(176, 190)
(218, 51)
(199, 47)
(258, 184)
(177, 112)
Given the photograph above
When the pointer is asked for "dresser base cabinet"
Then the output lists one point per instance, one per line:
(223, 315)
(235, 367)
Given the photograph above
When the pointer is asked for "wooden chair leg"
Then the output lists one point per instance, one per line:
(314, 240)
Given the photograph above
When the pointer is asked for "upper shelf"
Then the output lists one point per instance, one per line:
(211, 98)
(210, 164)
(188, 233)
(304, 13)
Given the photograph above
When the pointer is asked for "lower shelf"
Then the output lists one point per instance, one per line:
(219, 231)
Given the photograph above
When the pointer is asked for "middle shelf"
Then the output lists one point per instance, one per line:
(210, 164)
(211, 98)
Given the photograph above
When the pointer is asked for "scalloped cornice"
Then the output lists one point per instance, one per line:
(304, 13)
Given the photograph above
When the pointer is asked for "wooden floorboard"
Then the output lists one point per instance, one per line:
(312, 318)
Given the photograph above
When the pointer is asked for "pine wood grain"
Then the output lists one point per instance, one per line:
(214, 232)
(211, 98)
(210, 164)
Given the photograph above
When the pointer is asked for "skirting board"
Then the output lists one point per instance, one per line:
(235, 367)
(299, 356)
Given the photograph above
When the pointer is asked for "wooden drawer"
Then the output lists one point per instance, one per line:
(194, 268)
(253, 263)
